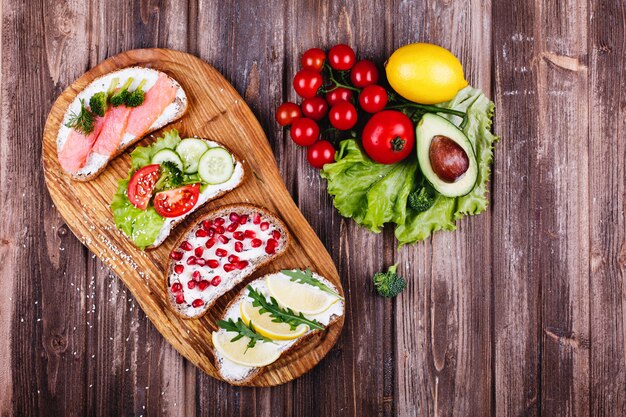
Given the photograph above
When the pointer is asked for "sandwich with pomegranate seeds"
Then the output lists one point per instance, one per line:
(111, 114)
(168, 181)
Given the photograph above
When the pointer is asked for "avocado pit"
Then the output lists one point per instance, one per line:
(447, 159)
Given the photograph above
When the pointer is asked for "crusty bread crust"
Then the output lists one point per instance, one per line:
(182, 104)
(240, 207)
(255, 372)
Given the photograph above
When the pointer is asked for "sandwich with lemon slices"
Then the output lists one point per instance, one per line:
(270, 317)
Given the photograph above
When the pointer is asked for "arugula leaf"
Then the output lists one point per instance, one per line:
(306, 277)
(279, 314)
(242, 330)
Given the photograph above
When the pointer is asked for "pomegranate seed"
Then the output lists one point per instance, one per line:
(216, 281)
(241, 265)
(238, 247)
(209, 243)
(197, 303)
(220, 230)
(233, 258)
(255, 243)
(177, 256)
(178, 268)
(219, 221)
(200, 261)
(223, 239)
(249, 234)
(239, 235)
(221, 252)
(196, 275)
(211, 232)
(180, 298)
(243, 219)
(203, 284)
(185, 246)
(201, 233)
(232, 227)
(270, 250)
(264, 226)
(234, 217)
(257, 218)
(191, 284)
(198, 251)
(229, 267)
(272, 242)
(213, 263)
(207, 224)
(191, 260)
(276, 234)
(176, 287)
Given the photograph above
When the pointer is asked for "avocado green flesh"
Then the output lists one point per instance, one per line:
(430, 126)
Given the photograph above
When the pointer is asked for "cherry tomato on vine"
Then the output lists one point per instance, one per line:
(287, 112)
(373, 98)
(315, 108)
(320, 153)
(304, 131)
(337, 95)
(364, 73)
(343, 115)
(389, 137)
(341, 57)
(313, 59)
(306, 83)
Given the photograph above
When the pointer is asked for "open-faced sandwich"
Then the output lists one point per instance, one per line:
(218, 252)
(169, 180)
(112, 113)
(270, 317)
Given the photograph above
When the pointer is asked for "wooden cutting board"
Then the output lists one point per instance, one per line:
(216, 111)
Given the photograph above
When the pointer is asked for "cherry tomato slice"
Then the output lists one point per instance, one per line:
(343, 116)
(315, 108)
(287, 112)
(313, 59)
(364, 73)
(306, 83)
(337, 95)
(141, 185)
(176, 202)
(373, 98)
(341, 57)
(320, 154)
(304, 131)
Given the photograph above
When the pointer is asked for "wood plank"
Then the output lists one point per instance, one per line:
(443, 319)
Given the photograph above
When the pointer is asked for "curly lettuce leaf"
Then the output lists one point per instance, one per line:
(142, 155)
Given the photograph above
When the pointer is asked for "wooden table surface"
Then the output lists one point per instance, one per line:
(520, 312)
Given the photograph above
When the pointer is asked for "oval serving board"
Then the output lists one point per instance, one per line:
(216, 111)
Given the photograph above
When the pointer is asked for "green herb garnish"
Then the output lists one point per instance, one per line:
(83, 121)
(306, 277)
(279, 314)
(242, 330)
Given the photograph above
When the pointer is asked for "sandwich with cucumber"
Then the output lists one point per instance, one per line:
(169, 180)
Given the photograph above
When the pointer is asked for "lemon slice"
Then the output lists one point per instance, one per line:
(264, 325)
(261, 354)
(303, 298)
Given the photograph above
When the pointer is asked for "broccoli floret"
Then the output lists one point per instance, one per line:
(136, 98)
(389, 284)
(99, 102)
(121, 95)
(171, 177)
(421, 200)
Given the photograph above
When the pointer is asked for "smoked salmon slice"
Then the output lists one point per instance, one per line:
(115, 122)
(77, 147)
(157, 98)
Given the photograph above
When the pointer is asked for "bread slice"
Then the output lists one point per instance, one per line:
(236, 374)
(203, 243)
(96, 163)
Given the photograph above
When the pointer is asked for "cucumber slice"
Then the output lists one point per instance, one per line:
(216, 166)
(165, 155)
(190, 151)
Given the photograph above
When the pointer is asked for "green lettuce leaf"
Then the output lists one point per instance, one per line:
(142, 155)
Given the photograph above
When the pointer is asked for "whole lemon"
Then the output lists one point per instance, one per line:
(425, 73)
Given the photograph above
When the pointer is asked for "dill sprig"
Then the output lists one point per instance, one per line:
(83, 121)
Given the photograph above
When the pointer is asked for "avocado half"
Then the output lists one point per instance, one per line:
(449, 141)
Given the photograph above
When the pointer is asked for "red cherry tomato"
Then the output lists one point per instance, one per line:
(307, 82)
(142, 184)
(373, 98)
(389, 137)
(315, 108)
(364, 73)
(341, 57)
(176, 202)
(337, 95)
(304, 131)
(343, 115)
(287, 113)
(313, 59)
(320, 153)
